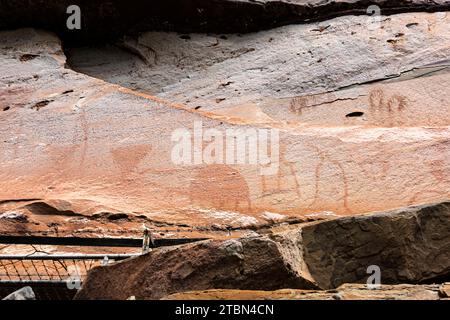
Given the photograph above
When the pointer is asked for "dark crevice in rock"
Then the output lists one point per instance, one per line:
(40, 105)
(415, 73)
(18, 200)
(42, 208)
(355, 114)
(107, 20)
(440, 279)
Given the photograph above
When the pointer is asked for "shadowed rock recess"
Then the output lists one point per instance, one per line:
(354, 110)
(103, 20)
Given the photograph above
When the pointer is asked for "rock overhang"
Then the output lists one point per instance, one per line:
(107, 20)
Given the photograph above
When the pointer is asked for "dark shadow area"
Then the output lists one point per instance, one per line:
(103, 21)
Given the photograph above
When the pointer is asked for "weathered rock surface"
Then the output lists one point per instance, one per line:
(408, 246)
(228, 294)
(311, 74)
(344, 292)
(252, 263)
(101, 147)
(26, 293)
(105, 20)
(444, 290)
(84, 218)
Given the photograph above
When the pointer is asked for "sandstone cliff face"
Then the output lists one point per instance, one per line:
(75, 138)
(352, 114)
(312, 74)
(407, 246)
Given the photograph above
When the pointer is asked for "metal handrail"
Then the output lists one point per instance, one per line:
(94, 242)
(68, 257)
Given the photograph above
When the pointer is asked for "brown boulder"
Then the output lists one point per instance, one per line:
(409, 245)
(248, 263)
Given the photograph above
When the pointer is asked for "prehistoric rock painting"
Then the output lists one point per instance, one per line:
(127, 158)
(387, 110)
(219, 187)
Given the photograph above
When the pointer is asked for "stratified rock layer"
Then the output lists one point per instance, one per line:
(313, 74)
(344, 292)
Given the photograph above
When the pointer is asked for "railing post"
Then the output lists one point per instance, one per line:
(105, 261)
(147, 241)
